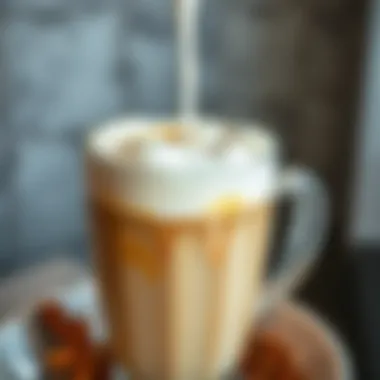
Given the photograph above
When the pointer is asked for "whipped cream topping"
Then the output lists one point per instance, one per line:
(179, 168)
(179, 144)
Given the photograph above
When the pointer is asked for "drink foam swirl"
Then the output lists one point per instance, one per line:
(172, 168)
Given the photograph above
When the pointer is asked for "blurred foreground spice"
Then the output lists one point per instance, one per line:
(67, 351)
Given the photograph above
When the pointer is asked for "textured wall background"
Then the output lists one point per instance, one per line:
(66, 65)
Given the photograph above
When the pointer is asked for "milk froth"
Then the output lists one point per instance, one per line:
(139, 160)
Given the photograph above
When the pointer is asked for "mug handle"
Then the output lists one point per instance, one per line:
(307, 234)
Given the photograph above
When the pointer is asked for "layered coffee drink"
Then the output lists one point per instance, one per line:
(181, 217)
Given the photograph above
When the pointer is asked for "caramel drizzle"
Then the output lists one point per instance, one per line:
(121, 224)
(144, 229)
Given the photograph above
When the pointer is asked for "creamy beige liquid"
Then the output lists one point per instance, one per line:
(187, 17)
(179, 295)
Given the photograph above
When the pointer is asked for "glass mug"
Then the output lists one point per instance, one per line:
(181, 240)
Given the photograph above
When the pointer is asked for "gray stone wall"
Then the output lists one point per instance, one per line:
(67, 65)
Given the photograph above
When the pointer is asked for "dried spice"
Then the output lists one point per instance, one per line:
(69, 353)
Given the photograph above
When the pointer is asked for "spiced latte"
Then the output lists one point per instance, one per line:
(181, 218)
